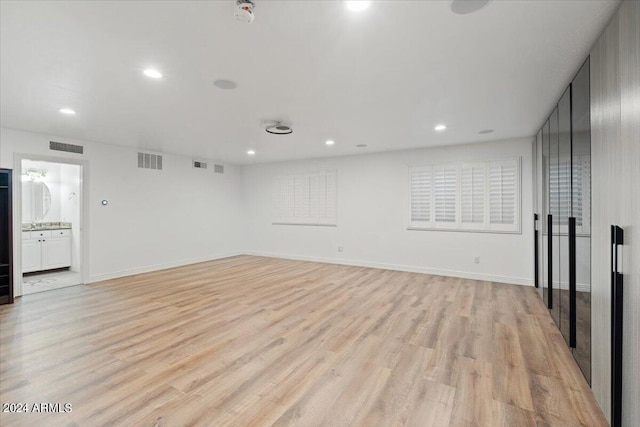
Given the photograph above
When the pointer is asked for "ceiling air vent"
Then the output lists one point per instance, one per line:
(69, 148)
(199, 165)
(149, 161)
(218, 168)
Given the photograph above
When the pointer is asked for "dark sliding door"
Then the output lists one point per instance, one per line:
(554, 210)
(561, 216)
(544, 222)
(563, 206)
(581, 211)
(541, 216)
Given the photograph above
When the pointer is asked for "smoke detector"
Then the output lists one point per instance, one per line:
(244, 11)
(279, 128)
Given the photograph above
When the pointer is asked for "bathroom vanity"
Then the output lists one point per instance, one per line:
(46, 246)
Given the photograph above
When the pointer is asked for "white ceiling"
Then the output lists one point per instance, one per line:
(383, 77)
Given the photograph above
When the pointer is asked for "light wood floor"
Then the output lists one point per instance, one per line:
(259, 341)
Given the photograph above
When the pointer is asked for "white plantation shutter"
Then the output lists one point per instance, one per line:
(421, 193)
(472, 196)
(504, 203)
(298, 197)
(328, 201)
(316, 185)
(308, 199)
(284, 197)
(445, 195)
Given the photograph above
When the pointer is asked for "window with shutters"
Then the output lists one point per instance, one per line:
(305, 199)
(480, 196)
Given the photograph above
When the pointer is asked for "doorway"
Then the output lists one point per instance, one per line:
(51, 213)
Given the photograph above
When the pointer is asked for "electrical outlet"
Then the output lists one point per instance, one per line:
(476, 260)
(340, 249)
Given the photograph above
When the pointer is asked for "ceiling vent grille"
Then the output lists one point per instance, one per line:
(199, 165)
(149, 161)
(218, 168)
(69, 148)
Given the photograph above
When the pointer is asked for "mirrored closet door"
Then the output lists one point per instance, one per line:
(563, 208)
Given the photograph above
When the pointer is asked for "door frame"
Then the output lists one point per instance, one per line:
(83, 225)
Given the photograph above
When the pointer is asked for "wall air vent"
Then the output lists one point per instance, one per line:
(69, 148)
(149, 161)
(199, 165)
(218, 168)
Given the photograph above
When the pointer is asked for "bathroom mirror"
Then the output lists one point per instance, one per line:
(36, 201)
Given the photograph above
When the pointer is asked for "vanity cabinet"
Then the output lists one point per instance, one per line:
(45, 250)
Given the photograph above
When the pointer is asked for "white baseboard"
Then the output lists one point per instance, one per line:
(356, 263)
(400, 267)
(156, 267)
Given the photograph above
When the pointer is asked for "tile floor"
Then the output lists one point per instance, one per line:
(40, 282)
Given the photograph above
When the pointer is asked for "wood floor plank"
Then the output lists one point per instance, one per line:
(254, 341)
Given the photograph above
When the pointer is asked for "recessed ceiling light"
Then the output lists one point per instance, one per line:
(153, 73)
(485, 131)
(67, 111)
(330, 142)
(440, 128)
(361, 145)
(251, 152)
(225, 84)
(357, 6)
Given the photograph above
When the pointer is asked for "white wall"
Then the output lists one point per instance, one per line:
(373, 213)
(154, 219)
(158, 219)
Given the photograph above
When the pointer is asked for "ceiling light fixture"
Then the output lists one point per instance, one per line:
(33, 174)
(278, 128)
(357, 6)
(330, 142)
(251, 152)
(440, 128)
(153, 73)
(361, 145)
(486, 131)
(67, 111)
